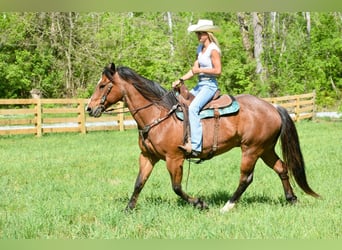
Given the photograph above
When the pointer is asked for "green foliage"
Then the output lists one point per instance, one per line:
(25, 62)
(300, 63)
(63, 53)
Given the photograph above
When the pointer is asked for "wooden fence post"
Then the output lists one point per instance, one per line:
(81, 116)
(121, 116)
(297, 108)
(39, 118)
(314, 104)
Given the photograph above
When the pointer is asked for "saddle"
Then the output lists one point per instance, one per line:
(218, 100)
(218, 106)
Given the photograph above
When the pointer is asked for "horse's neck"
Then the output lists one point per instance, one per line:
(143, 111)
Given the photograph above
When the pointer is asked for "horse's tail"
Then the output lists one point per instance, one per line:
(291, 151)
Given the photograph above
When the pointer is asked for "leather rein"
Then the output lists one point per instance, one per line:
(144, 131)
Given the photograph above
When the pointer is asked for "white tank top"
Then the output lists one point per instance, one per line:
(204, 59)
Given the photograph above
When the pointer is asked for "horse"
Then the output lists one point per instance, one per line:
(255, 128)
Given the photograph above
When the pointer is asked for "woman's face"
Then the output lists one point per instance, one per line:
(202, 36)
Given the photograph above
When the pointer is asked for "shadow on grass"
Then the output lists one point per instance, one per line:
(215, 199)
(219, 198)
(146, 201)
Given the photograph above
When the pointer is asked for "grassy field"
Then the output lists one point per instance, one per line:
(73, 186)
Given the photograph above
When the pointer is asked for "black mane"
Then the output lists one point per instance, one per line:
(152, 91)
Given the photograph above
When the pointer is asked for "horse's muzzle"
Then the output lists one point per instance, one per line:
(96, 112)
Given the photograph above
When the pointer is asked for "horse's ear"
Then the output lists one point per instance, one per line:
(112, 67)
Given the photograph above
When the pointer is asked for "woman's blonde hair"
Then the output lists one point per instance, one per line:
(213, 39)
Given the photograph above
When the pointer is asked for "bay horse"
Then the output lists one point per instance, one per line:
(255, 128)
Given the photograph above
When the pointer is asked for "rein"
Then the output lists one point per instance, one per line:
(147, 128)
(144, 131)
(134, 111)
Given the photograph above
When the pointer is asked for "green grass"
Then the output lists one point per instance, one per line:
(73, 186)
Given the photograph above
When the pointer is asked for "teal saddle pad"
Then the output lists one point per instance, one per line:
(209, 113)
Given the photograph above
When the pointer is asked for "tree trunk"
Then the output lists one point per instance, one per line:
(257, 42)
(68, 53)
(308, 24)
(273, 16)
(244, 33)
(169, 21)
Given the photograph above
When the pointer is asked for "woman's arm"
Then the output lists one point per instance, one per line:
(187, 76)
(216, 62)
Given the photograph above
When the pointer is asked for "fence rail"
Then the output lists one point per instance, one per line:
(41, 116)
(299, 106)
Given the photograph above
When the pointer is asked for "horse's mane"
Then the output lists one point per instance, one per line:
(150, 90)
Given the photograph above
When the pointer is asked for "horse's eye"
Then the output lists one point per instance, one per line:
(102, 86)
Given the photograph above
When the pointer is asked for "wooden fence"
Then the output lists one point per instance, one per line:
(40, 116)
(299, 106)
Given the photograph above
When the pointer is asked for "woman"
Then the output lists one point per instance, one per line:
(207, 66)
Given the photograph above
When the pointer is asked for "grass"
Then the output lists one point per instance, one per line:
(73, 186)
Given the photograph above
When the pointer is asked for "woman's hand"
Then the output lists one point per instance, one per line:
(181, 80)
(176, 83)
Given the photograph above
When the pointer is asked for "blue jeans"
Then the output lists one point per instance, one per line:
(203, 92)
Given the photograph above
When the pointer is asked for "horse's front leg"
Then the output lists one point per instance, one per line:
(146, 166)
(175, 168)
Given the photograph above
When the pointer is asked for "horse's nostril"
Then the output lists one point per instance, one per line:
(88, 109)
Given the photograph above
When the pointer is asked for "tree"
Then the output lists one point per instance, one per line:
(258, 44)
(265, 54)
(245, 33)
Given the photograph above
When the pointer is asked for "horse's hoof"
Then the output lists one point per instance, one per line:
(129, 208)
(292, 200)
(229, 206)
(201, 205)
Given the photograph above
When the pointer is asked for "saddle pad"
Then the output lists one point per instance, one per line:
(209, 113)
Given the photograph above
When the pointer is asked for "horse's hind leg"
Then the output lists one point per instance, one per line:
(272, 160)
(146, 167)
(246, 177)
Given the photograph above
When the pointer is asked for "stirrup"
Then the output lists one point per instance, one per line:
(189, 152)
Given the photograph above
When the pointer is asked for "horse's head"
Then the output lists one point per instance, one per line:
(107, 92)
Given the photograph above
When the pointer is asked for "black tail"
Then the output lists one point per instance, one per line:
(292, 153)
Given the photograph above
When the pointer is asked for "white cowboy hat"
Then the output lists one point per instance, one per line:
(203, 25)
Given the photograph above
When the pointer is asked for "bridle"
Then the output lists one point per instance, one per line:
(104, 97)
(147, 128)
(144, 131)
